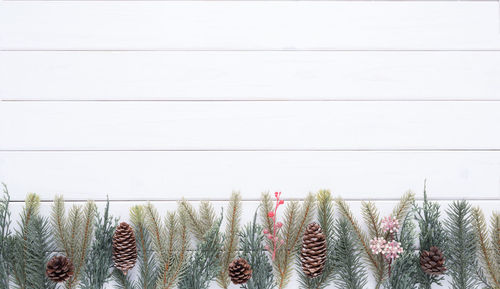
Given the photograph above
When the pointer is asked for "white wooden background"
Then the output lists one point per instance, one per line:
(154, 100)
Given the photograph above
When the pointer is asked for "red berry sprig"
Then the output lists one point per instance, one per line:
(276, 241)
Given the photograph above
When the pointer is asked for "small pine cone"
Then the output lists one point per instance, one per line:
(124, 248)
(432, 261)
(313, 252)
(240, 271)
(59, 269)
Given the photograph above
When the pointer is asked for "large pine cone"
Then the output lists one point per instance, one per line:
(313, 252)
(240, 271)
(59, 269)
(124, 248)
(432, 261)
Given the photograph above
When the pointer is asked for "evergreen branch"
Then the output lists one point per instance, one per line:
(252, 250)
(180, 246)
(371, 217)
(59, 223)
(99, 261)
(350, 271)
(204, 265)
(148, 271)
(296, 219)
(123, 281)
(207, 215)
(231, 238)
(155, 228)
(461, 243)
(378, 270)
(5, 238)
(195, 223)
(327, 222)
(266, 206)
(495, 240)
(485, 249)
(404, 206)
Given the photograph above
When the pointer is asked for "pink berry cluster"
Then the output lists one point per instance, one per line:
(273, 236)
(390, 224)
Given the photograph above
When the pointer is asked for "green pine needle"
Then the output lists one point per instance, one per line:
(204, 264)
(488, 273)
(349, 270)
(461, 246)
(252, 250)
(5, 239)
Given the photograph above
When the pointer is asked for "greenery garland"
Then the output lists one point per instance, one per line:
(412, 248)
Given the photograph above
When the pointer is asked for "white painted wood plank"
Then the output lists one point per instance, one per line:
(315, 125)
(213, 175)
(261, 75)
(226, 25)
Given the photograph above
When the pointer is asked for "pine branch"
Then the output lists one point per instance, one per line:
(495, 240)
(252, 250)
(207, 215)
(371, 217)
(431, 234)
(266, 206)
(350, 271)
(461, 243)
(123, 281)
(404, 206)
(99, 261)
(204, 265)
(5, 239)
(483, 242)
(373, 261)
(327, 222)
(148, 272)
(296, 219)
(231, 238)
(59, 224)
(195, 224)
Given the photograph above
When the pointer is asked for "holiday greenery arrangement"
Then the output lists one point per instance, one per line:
(191, 247)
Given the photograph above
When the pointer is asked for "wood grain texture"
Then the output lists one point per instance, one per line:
(227, 25)
(250, 75)
(223, 125)
(213, 175)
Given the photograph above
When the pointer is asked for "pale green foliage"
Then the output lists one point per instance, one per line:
(73, 234)
(404, 206)
(148, 267)
(32, 245)
(232, 224)
(461, 245)
(431, 234)
(5, 240)
(405, 268)
(198, 223)
(378, 269)
(371, 216)
(488, 273)
(252, 250)
(326, 220)
(349, 270)
(204, 264)
(170, 244)
(296, 217)
(99, 260)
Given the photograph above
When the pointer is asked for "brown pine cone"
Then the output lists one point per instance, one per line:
(313, 252)
(240, 271)
(432, 261)
(59, 269)
(124, 248)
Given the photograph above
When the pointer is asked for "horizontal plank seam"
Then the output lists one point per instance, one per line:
(248, 49)
(250, 0)
(253, 150)
(251, 100)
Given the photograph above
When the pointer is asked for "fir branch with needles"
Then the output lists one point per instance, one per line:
(326, 220)
(378, 270)
(5, 239)
(146, 261)
(461, 246)
(404, 206)
(371, 216)
(204, 265)
(123, 281)
(73, 234)
(297, 217)
(489, 272)
(170, 243)
(32, 247)
(431, 234)
(350, 272)
(252, 250)
(405, 269)
(495, 240)
(197, 226)
(232, 223)
(99, 262)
